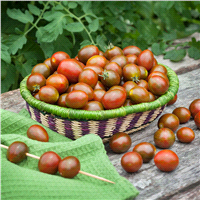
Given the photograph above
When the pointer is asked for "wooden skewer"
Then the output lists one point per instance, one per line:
(81, 172)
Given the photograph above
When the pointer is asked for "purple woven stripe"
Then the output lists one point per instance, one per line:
(37, 115)
(28, 108)
(134, 121)
(68, 129)
(102, 128)
(85, 128)
(119, 122)
(148, 117)
(51, 122)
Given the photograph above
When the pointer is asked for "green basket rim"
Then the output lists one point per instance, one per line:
(78, 114)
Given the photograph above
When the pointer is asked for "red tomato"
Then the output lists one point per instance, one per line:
(59, 81)
(62, 100)
(113, 99)
(93, 105)
(166, 160)
(96, 68)
(42, 68)
(134, 50)
(57, 57)
(131, 161)
(131, 71)
(143, 83)
(71, 69)
(98, 94)
(194, 107)
(98, 60)
(128, 102)
(128, 85)
(143, 72)
(185, 134)
(115, 67)
(99, 85)
(146, 59)
(160, 68)
(132, 59)
(121, 60)
(48, 62)
(113, 51)
(197, 119)
(183, 114)
(173, 100)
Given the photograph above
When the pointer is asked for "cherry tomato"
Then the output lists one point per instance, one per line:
(93, 105)
(164, 138)
(128, 102)
(62, 100)
(158, 85)
(166, 160)
(130, 71)
(42, 68)
(128, 85)
(49, 94)
(197, 119)
(98, 60)
(157, 73)
(17, 152)
(96, 68)
(86, 88)
(143, 83)
(113, 51)
(132, 50)
(146, 59)
(70, 88)
(194, 107)
(87, 52)
(110, 78)
(155, 62)
(168, 120)
(35, 82)
(131, 58)
(143, 72)
(98, 94)
(57, 57)
(59, 81)
(160, 68)
(76, 99)
(183, 114)
(71, 69)
(88, 76)
(120, 142)
(36, 95)
(131, 161)
(146, 150)
(173, 100)
(185, 135)
(115, 67)
(48, 162)
(118, 87)
(113, 99)
(69, 167)
(48, 62)
(121, 60)
(99, 85)
(139, 95)
(151, 97)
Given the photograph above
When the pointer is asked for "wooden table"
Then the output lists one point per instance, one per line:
(184, 182)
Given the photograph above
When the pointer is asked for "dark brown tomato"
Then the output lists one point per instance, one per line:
(76, 99)
(164, 138)
(48, 162)
(99, 85)
(98, 94)
(113, 99)
(86, 88)
(71, 69)
(155, 62)
(171, 102)
(160, 68)
(128, 102)
(166, 160)
(169, 120)
(87, 52)
(98, 60)
(69, 167)
(197, 119)
(183, 114)
(37, 132)
(143, 83)
(131, 161)
(146, 150)
(118, 87)
(131, 58)
(120, 142)
(151, 97)
(110, 78)
(157, 73)
(59, 81)
(134, 50)
(96, 68)
(146, 59)
(143, 73)
(128, 85)
(70, 88)
(62, 100)
(49, 94)
(42, 69)
(93, 105)
(88, 76)
(36, 95)
(158, 85)
(194, 107)
(130, 72)
(57, 57)
(48, 62)
(121, 60)
(35, 82)
(139, 95)
(113, 51)
(185, 135)
(17, 152)
(115, 67)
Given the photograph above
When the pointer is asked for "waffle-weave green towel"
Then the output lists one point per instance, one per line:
(24, 181)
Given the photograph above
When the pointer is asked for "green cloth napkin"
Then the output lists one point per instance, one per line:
(24, 181)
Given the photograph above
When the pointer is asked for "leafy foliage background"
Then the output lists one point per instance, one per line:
(33, 31)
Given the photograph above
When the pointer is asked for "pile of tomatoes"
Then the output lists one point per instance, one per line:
(96, 80)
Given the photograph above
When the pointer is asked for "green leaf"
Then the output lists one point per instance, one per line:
(159, 48)
(17, 14)
(72, 5)
(175, 55)
(194, 52)
(26, 67)
(86, 6)
(5, 54)
(94, 25)
(84, 43)
(74, 27)
(34, 9)
(100, 40)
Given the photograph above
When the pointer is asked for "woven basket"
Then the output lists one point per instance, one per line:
(74, 123)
